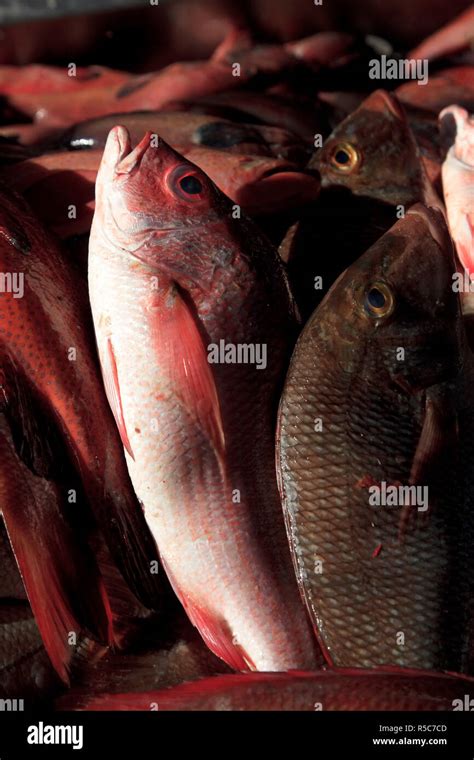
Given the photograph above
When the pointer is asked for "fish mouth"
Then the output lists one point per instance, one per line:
(129, 159)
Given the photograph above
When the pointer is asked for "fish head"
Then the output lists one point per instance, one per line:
(373, 153)
(151, 189)
(397, 304)
(457, 132)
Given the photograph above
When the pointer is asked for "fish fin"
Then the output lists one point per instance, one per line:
(215, 633)
(218, 637)
(238, 38)
(112, 390)
(59, 572)
(62, 582)
(181, 348)
(439, 434)
(463, 236)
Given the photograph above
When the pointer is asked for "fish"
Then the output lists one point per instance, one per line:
(451, 85)
(378, 398)
(368, 183)
(148, 91)
(40, 79)
(259, 184)
(452, 37)
(198, 434)
(240, 47)
(323, 48)
(48, 366)
(342, 689)
(60, 186)
(458, 183)
(351, 158)
(185, 130)
(423, 124)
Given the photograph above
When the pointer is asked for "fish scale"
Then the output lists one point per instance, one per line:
(378, 580)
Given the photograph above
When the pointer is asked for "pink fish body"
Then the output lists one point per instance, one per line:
(172, 274)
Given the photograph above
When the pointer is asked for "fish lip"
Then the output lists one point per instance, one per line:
(130, 160)
(285, 169)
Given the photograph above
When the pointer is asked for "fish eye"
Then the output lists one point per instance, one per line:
(191, 185)
(378, 301)
(185, 183)
(344, 157)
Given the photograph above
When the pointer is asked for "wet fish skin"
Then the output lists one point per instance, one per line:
(229, 567)
(54, 182)
(185, 129)
(37, 332)
(384, 570)
(414, 690)
(451, 85)
(148, 91)
(37, 78)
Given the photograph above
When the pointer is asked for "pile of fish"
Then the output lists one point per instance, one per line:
(237, 406)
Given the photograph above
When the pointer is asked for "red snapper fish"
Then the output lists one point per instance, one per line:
(174, 279)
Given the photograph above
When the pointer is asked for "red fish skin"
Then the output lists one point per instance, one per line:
(38, 79)
(51, 183)
(453, 85)
(338, 689)
(323, 48)
(148, 91)
(235, 409)
(37, 333)
(454, 36)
